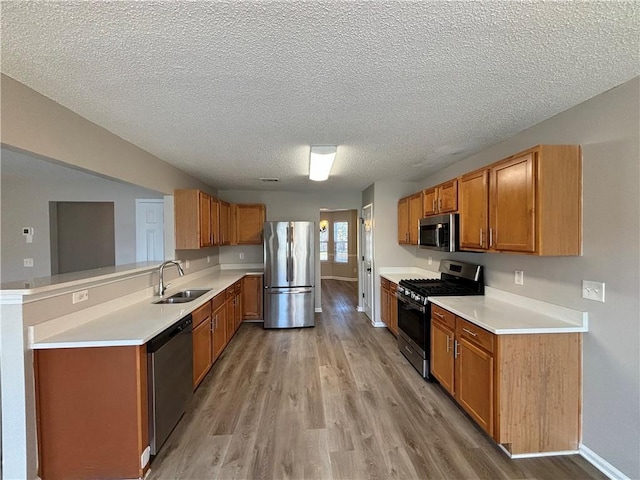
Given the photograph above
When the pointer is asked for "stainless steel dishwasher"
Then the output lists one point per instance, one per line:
(170, 376)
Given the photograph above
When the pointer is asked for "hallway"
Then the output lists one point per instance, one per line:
(337, 401)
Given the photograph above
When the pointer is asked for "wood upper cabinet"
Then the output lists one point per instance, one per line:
(92, 412)
(252, 297)
(225, 223)
(409, 215)
(193, 219)
(403, 221)
(474, 210)
(202, 343)
(249, 221)
(534, 203)
(498, 380)
(215, 221)
(442, 198)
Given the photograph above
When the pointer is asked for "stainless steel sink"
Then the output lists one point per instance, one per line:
(183, 297)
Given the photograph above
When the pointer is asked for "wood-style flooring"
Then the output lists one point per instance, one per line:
(337, 401)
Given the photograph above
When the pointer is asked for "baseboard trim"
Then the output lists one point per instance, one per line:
(318, 309)
(378, 324)
(601, 464)
(537, 454)
(359, 309)
(343, 279)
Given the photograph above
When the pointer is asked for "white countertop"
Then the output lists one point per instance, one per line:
(405, 273)
(138, 323)
(503, 313)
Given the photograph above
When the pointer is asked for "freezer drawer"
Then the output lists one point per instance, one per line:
(289, 307)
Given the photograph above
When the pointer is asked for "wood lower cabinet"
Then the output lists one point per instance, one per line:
(92, 412)
(229, 305)
(528, 203)
(523, 390)
(237, 303)
(219, 325)
(252, 292)
(202, 343)
(389, 305)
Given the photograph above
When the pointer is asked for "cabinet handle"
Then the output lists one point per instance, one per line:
(456, 353)
(481, 237)
(433, 205)
(469, 332)
(438, 314)
(491, 237)
(439, 204)
(448, 348)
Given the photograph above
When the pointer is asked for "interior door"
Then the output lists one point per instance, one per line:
(367, 260)
(149, 230)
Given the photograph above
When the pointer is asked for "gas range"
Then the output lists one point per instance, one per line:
(414, 308)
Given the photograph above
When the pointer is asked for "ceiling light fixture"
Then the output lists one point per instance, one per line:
(321, 161)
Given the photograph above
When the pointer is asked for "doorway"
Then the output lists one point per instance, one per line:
(149, 230)
(366, 270)
(82, 236)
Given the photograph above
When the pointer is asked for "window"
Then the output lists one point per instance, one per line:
(341, 241)
(324, 244)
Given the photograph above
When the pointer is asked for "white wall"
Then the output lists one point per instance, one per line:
(286, 206)
(28, 184)
(607, 127)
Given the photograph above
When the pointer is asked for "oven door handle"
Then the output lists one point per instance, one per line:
(408, 305)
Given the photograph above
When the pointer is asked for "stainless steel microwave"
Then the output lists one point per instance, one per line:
(439, 232)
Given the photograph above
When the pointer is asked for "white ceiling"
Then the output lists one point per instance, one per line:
(235, 90)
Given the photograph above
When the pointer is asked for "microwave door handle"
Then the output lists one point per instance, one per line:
(437, 235)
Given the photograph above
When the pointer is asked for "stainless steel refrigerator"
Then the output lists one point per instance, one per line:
(289, 274)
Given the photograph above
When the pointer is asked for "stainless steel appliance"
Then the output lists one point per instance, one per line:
(439, 232)
(414, 308)
(289, 274)
(170, 379)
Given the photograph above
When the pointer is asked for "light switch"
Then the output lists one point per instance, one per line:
(519, 277)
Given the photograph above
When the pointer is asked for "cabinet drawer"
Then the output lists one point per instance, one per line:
(217, 301)
(238, 286)
(475, 334)
(230, 292)
(384, 283)
(201, 314)
(392, 288)
(443, 316)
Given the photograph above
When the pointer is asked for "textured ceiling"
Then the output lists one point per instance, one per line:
(232, 91)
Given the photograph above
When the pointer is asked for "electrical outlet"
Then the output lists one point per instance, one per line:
(519, 277)
(593, 291)
(186, 264)
(28, 262)
(429, 260)
(241, 256)
(208, 258)
(81, 296)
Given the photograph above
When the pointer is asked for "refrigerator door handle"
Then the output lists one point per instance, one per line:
(289, 253)
(289, 291)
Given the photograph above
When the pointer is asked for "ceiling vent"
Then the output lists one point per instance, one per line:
(269, 179)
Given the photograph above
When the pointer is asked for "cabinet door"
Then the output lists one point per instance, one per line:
(249, 222)
(513, 205)
(231, 315)
(448, 197)
(225, 219)
(202, 352)
(238, 304)
(474, 383)
(429, 202)
(215, 221)
(252, 297)
(393, 309)
(442, 354)
(219, 330)
(403, 221)
(205, 219)
(384, 306)
(474, 210)
(415, 214)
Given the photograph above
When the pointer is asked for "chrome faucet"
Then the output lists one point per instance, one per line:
(161, 286)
